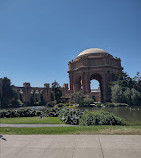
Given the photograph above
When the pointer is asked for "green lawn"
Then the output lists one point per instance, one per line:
(128, 130)
(31, 120)
(132, 128)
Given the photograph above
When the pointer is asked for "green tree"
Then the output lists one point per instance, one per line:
(124, 81)
(137, 82)
(77, 97)
(87, 101)
(56, 93)
(127, 89)
(127, 96)
(135, 96)
(117, 94)
(8, 93)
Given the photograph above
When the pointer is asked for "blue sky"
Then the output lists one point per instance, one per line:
(39, 37)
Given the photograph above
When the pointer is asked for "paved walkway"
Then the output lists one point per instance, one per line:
(35, 125)
(70, 146)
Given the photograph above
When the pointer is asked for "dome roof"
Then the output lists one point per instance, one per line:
(91, 51)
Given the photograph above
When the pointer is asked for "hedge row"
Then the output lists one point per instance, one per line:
(54, 112)
(69, 116)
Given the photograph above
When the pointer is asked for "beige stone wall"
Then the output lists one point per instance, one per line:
(27, 91)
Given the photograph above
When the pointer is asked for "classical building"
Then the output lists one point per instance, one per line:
(90, 64)
(26, 93)
(95, 64)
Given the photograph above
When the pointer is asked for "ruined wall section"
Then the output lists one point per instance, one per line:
(28, 93)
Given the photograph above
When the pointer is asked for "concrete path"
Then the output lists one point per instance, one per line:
(35, 125)
(70, 146)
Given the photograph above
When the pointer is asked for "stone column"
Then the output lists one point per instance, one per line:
(27, 94)
(105, 87)
(71, 83)
(77, 87)
(86, 83)
(83, 82)
(27, 90)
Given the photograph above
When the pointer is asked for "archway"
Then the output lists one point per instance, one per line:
(95, 64)
(96, 87)
(94, 84)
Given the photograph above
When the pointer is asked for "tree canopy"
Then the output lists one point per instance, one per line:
(56, 93)
(127, 89)
(8, 92)
(77, 97)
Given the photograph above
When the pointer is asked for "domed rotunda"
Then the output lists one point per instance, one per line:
(91, 52)
(94, 63)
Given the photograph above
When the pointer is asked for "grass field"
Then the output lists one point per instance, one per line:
(31, 120)
(132, 128)
(128, 130)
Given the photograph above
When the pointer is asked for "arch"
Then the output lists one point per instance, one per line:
(97, 94)
(94, 64)
(94, 84)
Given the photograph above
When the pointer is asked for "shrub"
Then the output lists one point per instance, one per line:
(27, 113)
(40, 103)
(86, 101)
(39, 113)
(17, 103)
(70, 116)
(51, 103)
(18, 113)
(98, 104)
(100, 118)
(60, 105)
(77, 97)
(9, 113)
(53, 112)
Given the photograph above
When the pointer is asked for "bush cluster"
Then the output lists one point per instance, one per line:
(70, 116)
(51, 103)
(86, 102)
(60, 105)
(100, 118)
(20, 113)
(79, 98)
(53, 112)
